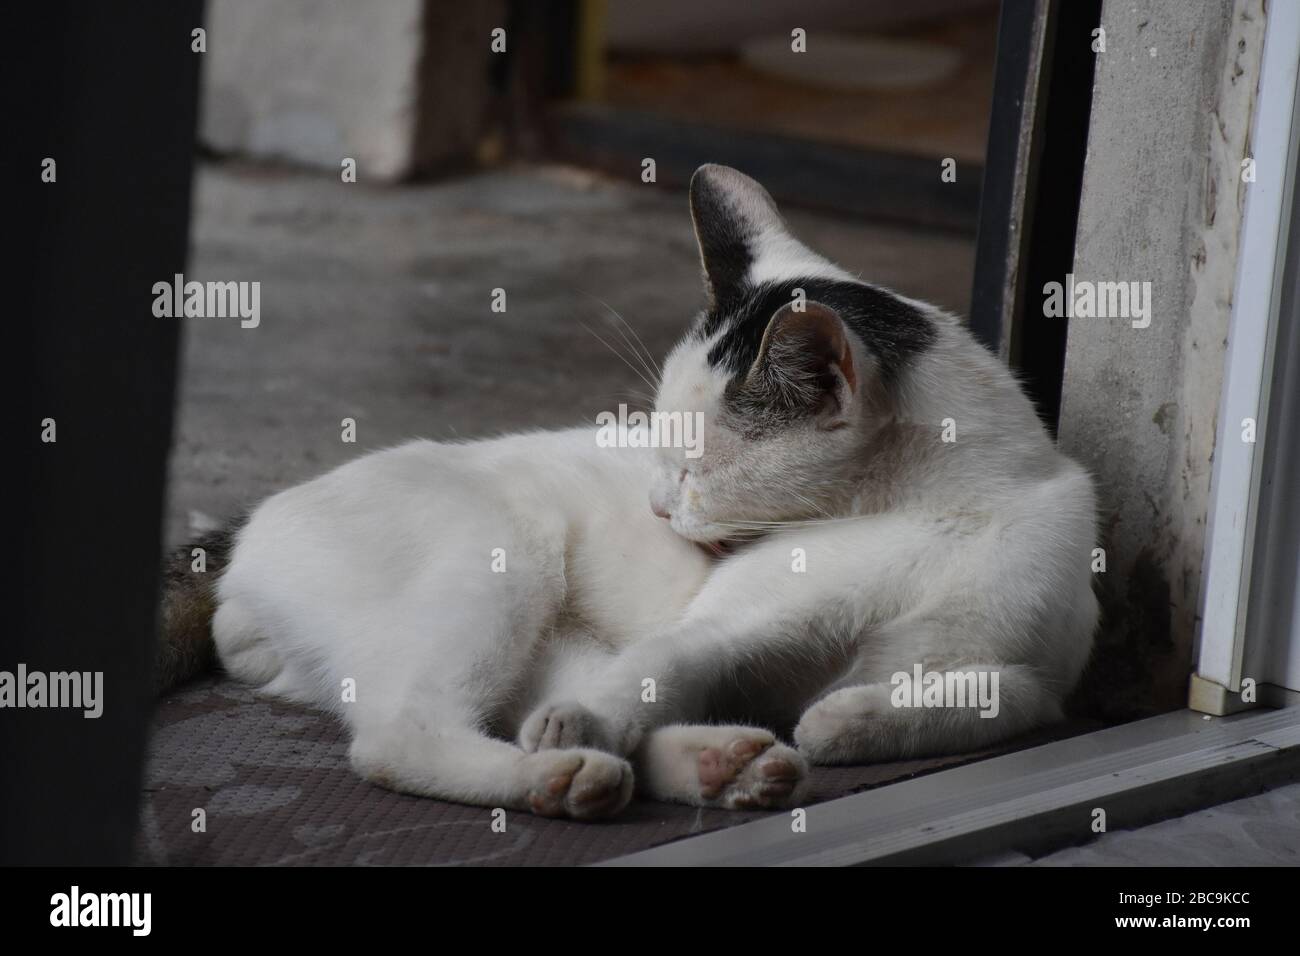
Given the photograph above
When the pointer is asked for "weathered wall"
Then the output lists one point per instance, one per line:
(399, 86)
(1162, 202)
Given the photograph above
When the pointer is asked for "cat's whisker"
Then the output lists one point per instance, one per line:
(785, 488)
(803, 499)
(791, 523)
(619, 355)
(640, 396)
(636, 354)
(627, 395)
(645, 349)
(644, 354)
(637, 346)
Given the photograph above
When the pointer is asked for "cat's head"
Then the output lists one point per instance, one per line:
(790, 369)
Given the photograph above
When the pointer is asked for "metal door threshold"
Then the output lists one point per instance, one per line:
(1030, 802)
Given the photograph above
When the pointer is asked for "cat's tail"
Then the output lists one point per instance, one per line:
(189, 599)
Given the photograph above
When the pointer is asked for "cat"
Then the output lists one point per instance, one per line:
(541, 622)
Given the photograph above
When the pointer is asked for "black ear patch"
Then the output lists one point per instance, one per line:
(892, 330)
(729, 211)
(732, 213)
(804, 366)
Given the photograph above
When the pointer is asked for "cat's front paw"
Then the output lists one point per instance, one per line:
(735, 768)
(563, 726)
(845, 726)
(578, 784)
(750, 772)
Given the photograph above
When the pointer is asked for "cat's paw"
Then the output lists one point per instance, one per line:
(751, 771)
(579, 784)
(562, 727)
(844, 726)
(733, 768)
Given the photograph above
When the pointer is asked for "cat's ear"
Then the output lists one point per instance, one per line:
(805, 364)
(733, 215)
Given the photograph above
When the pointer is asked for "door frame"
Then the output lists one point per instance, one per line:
(1249, 587)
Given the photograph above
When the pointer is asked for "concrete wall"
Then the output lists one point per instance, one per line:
(1162, 202)
(400, 86)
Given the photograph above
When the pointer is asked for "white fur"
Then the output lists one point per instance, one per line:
(968, 555)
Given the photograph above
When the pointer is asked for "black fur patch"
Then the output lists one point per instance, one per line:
(216, 545)
(188, 602)
(724, 243)
(892, 330)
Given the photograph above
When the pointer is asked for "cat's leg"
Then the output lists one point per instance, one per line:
(670, 679)
(900, 588)
(421, 728)
(247, 650)
(756, 622)
(449, 660)
(422, 752)
(244, 648)
(758, 626)
(970, 706)
(731, 767)
(989, 656)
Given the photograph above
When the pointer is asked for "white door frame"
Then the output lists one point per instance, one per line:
(1233, 629)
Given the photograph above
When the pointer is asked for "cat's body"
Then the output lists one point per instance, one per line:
(889, 497)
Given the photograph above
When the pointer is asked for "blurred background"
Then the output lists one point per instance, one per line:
(542, 149)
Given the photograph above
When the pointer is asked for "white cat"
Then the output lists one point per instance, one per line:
(874, 495)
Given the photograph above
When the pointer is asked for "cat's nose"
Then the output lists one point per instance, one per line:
(659, 508)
